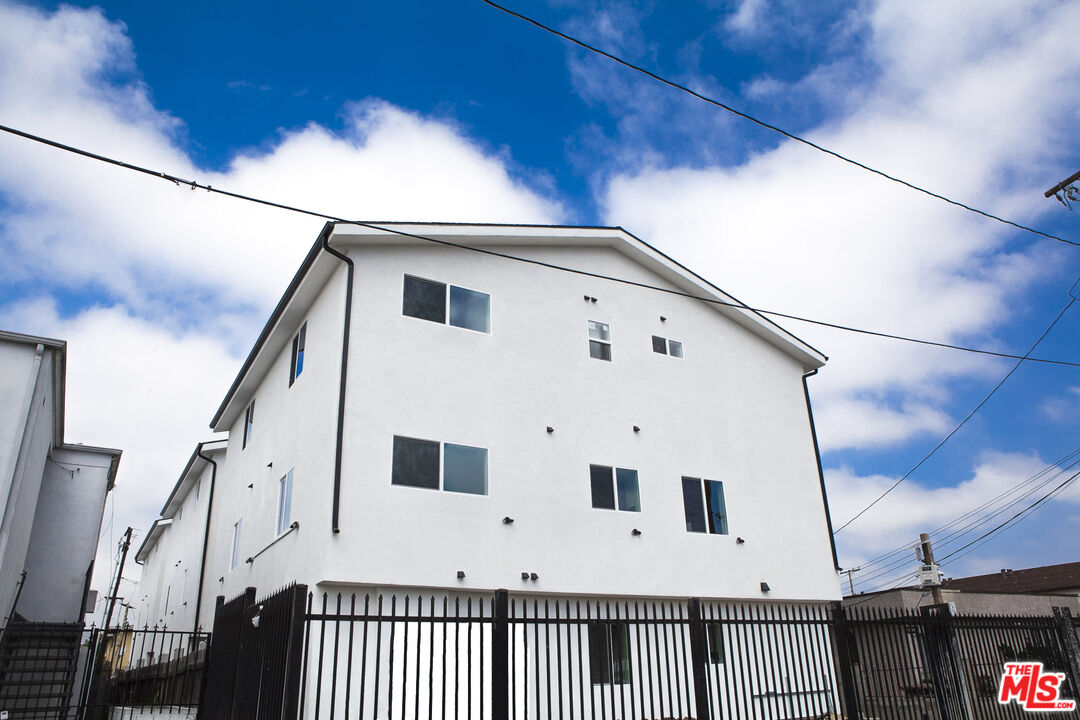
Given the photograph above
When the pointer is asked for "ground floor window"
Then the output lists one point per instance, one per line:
(609, 653)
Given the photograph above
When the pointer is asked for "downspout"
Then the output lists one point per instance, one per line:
(820, 472)
(206, 533)
(344, 371)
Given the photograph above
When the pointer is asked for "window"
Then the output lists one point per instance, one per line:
(666, 347)
(704, 506)
(427, 300)
(715, 633)
(624, 489)
(609, 653)
(416, 464)
(296, 366)
(599, 341)
(235, 559)
(249, 424)
(284, 509)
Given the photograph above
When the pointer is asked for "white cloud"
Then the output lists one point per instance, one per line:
(746, 17)
(1064, 407)
(792, 229)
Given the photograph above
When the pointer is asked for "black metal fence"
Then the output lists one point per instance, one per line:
(474, 657)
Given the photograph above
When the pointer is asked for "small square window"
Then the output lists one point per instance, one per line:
(609, 653)
(296, 366)
(249, 424)
(599, 341)
(464, 469)
(624, 489)
(675, 348)
(470, 309)
(659, 344)
(416, 463)
(424, 299)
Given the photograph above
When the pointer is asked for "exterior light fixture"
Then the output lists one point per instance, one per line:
(765, 586)
(534, 576)
(524, 576)
(739, 541)
(508, 520)
(635, 532)
(637, 429)
(550, 429)
(460, 574)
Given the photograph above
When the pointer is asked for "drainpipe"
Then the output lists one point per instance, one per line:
(820, 472)
(206, 533)
(344, 371)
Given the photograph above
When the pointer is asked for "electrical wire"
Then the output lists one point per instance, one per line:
(768, 126)
(962, 422)
(374, 226)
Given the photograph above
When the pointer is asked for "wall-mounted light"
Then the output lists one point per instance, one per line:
(765, 586)
(663, 319)
(508, 520)
(295, 525)
(534, 576)
(524, 576)
(269, 464)
(637, 429)
(250, 560)
(460, 574)
(635, 532)
(739, 541)
(251, 485)
(550, 429)
(586, 298)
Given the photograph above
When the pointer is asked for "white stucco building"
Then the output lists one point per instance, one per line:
(52, 493)
(418, 415)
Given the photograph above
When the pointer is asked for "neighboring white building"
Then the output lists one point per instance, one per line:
(52, 493)
(642, 443)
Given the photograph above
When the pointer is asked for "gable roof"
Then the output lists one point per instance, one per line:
(317, 267)
(1049, 578)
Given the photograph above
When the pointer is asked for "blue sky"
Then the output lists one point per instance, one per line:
(454, 111)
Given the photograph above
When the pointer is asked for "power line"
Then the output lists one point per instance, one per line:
(326, 216)
(768, 126)
(962, 422)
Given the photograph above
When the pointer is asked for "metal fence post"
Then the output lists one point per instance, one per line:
(1064, 621)
(294, 652)
(843, 634)
(500, 657)
(699, 658)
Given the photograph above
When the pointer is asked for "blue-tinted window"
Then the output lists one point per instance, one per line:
(627, 484)
(703, 503)
(614, 484)
(297, 365)
(714, 499)
(469, 309)
(249, 424)
(464, 469)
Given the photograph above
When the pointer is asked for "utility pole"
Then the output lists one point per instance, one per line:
(126, 543)
(928, 561)
(1070, 193)
(848, 572)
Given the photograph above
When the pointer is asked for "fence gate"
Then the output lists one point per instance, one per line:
(254, 663)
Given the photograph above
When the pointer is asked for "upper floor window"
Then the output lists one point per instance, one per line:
(442, 303)
(434, 465)
(249, 423)
(235, 555)
(284, 513)
(703, 503)
(609, 653)
(666, 347)
(614, 484)
(599, 340)
(296, 366)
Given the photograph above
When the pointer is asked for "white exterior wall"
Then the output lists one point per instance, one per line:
(731, 410)
(168, 588)
(26, 424)
(64, 539)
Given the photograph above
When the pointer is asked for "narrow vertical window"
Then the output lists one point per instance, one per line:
(626, 485)
(692, 505)
(602, 495)
(235, 559)
(284, 518)
(609, 653)
(715, 633)
(714, 500)
(249, 424)
(296, 366)
(599, 340)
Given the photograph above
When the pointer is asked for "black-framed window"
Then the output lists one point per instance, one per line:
(249, 424)
(599, 340)
(666, 346)
(434, 465)
(446, 304)
(704, 506)
(715, 634)
(296, 366)
(609, 653)
(614, 487)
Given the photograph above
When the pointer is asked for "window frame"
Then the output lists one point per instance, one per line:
(611, 481)
(249, 424)
(448, 291)
(668, 346)
(700, 494)
(285, 487)
(296, 364)
(601, 637)
(599, 342)
(714, 642)
(441, 486)
(234, 556)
